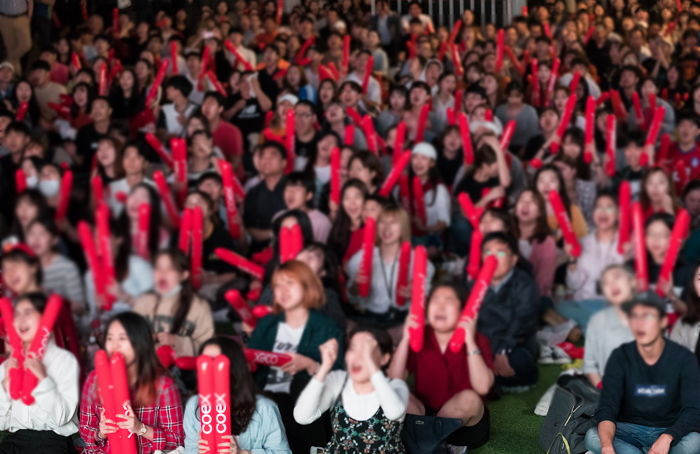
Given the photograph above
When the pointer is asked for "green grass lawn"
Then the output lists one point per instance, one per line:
(514, 427)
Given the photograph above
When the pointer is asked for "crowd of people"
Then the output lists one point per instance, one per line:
(158, 159)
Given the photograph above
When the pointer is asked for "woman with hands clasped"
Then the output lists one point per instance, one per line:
(448, 384)
(154, 415)
(362, 400)
(47, 425)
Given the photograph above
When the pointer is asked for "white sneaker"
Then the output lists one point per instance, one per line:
(452, 449)
(559, 356)
(546, 355)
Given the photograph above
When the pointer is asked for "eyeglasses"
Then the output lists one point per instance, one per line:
(499, 254)
(644, 317)
(304, 115)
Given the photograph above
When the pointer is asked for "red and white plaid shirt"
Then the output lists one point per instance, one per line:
(165, 417)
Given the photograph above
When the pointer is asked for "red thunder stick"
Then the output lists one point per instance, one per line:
(104, 243)
(618, 107)
(266, 358)
(38, 346)
(102, 79)
(15, 375)
(420, 267)
(547, 30)
(625, 196)
(105, 389)
(590, 130)
(345, 62)
(399, 140)
(470, 212)
(680, 230)
(367, 126)
(335, 176)
(296, 241)
(144, 222)
(20, 181)
(450, 114)
(419, 201)
(91, 257)
(422, 122)
(488, 115)
(535, 82)
(368, 72)
(197, 239)
(349, 137)
(450, 40)
(500, 41)
(476, 297)
(474, 253)
(205, 391)
(354, 116)
(184, 240)
(279, 11)
(173, 57)
(507, 136)
(649, 115)
(75, 61)
(655, 126)
(640, 248)
(459, 97)
(237, 302)
(22, 111)
(404, 267)
(637, 107)
(564, 221)
(290, 138)
(153, 90)
(159, 149)
(564, 123)
(64, 196)
(241, 263)
(98, 190)
(395, 174)
(465, 132)
(222, 400)
(405, 192)
(237, 55)
(165, 355)
(664, 149)
(610, 143)
(552, 83)
(167, 197)
(229, 197)
(575, 81)
(115, 22)
(589, 34)
(216, 84)
(261, 311)
(364, 274)
(456, 60)
(179, 150)
(514, 60)
(122, 401)
(300, 57)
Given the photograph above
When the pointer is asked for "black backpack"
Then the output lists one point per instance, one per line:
(570, 415)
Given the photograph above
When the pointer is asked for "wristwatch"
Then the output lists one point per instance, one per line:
(143, 430)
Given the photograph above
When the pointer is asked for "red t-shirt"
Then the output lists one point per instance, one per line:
(691, 158)
(354, 245)
(230, 141)
(439, 376)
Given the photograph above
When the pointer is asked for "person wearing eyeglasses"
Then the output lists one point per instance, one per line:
(650, 400)
(509, 315)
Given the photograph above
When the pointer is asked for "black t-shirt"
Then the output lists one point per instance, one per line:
(532, 147)
(448, 168)
(306, 149)
(474, 188)
(219, 238)
(86, 143)
(261, 204)
(8, 167)
(249, 119)
(268, 84)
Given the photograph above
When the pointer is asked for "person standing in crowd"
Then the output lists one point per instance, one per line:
(15, 17)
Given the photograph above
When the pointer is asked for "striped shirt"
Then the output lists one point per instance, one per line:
(63, 277)
(14, 7)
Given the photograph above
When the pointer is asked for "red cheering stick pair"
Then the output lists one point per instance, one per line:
(564, 123)
(474, 253)
(450, 40)
(291, 242)
(20, 181)
(417, 311)
(364, 274)
(469, 210)
(113, 389)
(618, 107)
(159, 149)
(141, 239)
(230, 257)
(179, 150)
(367, 125)
(64, 196)
(216, 84)
(680, 231)
(190, 241)
(214, 393)
(157, 82)
(465, 132)
(395, 174)
(167, 197)
(476, 297)
(625, 196)
(238, 57)
(652, 135)
(564, 221)
(404, 266)
(250, 316)
(229, 188)
(637, 107)
(22, 381)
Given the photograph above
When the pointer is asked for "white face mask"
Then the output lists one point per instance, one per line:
(32, 181)
(49, 188)
(172, 292)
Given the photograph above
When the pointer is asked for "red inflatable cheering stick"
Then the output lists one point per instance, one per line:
(335, 176)
(625, 197)
(222, 401)
(167, 197)
(610, 144)
(113, 390)
(144, 222)
(15, 375)
(241, 263)
(179, 150)
(640, 248)
(404, 267)
(64, 196)
(237, 302)
(476, 297)
(364, 274)
(38, 345)
(680, 231)
(564, 221)
(419, 201)
(226, 172)
(395, 174)
(205, 390)
(465, 132)
(291, 242)
(420, 270)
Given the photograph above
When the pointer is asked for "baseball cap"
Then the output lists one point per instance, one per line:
(288, 97)
(7, 64)
(425, 149)
(649, 299)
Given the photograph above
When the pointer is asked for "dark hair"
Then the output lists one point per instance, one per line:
(214, 95)
(665, 218)
(371, 162)
(22, 254)
(186, 297)
(644, 197)
(208, 176)
(693, 185)
(562, 188)
(692, 300)
(35, 198)
(502, 237)
(18, 127)
(243, 389)
(180, 83)
(453, 284)
(384, 341)
(339, 237)
(272, 144)
(148, 366)
(300, 179)
(542, 230)
(37, 299)
(40, 64)
(155, 220)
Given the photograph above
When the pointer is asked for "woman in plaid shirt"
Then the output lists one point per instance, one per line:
(157, 417)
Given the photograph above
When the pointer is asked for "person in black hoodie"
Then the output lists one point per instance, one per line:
(650, 400)
(509, 314)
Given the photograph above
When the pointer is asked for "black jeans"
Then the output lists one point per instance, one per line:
(524, 362)
(36, 441)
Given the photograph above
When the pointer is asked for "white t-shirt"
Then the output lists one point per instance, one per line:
(286, 341)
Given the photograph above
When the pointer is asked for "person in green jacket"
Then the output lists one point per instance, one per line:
(296, 328)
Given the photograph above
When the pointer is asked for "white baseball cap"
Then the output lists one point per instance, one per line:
(288, 97)
(424, 149)
(7, 64)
